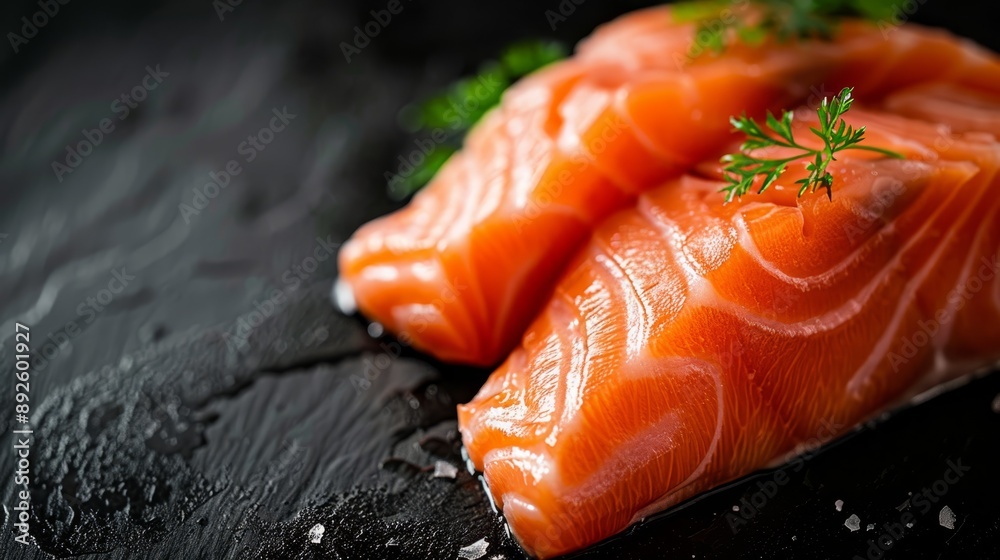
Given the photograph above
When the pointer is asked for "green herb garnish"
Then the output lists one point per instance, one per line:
(742, 168)
(440, 122)
(719, 21)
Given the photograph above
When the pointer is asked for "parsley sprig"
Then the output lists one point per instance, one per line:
(743, 168)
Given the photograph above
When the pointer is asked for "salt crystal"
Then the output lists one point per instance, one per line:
(316, 533)
(947, 518)
(475, 550)
(736, 508)
(870, 527)
(853, 523)
(838, 504)
(443, 469)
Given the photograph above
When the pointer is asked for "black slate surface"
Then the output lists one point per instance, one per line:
(218, 407)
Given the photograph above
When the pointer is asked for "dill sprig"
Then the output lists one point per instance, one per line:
(742, 169)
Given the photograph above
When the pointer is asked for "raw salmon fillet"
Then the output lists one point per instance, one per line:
(690, 342)
(670, 342)
(463, 269)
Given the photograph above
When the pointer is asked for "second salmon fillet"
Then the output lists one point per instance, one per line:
(462, 270)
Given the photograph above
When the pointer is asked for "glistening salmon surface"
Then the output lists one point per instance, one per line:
(670, 342)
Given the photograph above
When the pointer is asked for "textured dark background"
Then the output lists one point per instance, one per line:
(159, 435)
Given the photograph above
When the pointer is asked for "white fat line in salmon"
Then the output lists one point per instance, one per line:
(586, 155)
(881, 201)
(957, 299)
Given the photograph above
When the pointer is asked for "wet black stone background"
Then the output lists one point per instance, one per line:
(158, 434)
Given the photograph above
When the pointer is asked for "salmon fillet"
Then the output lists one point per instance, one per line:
(670, 342)
(463, 269)
(691, 342)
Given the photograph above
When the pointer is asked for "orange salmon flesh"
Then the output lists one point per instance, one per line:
(655, 341)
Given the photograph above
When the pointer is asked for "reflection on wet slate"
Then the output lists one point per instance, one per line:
(218, 407)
